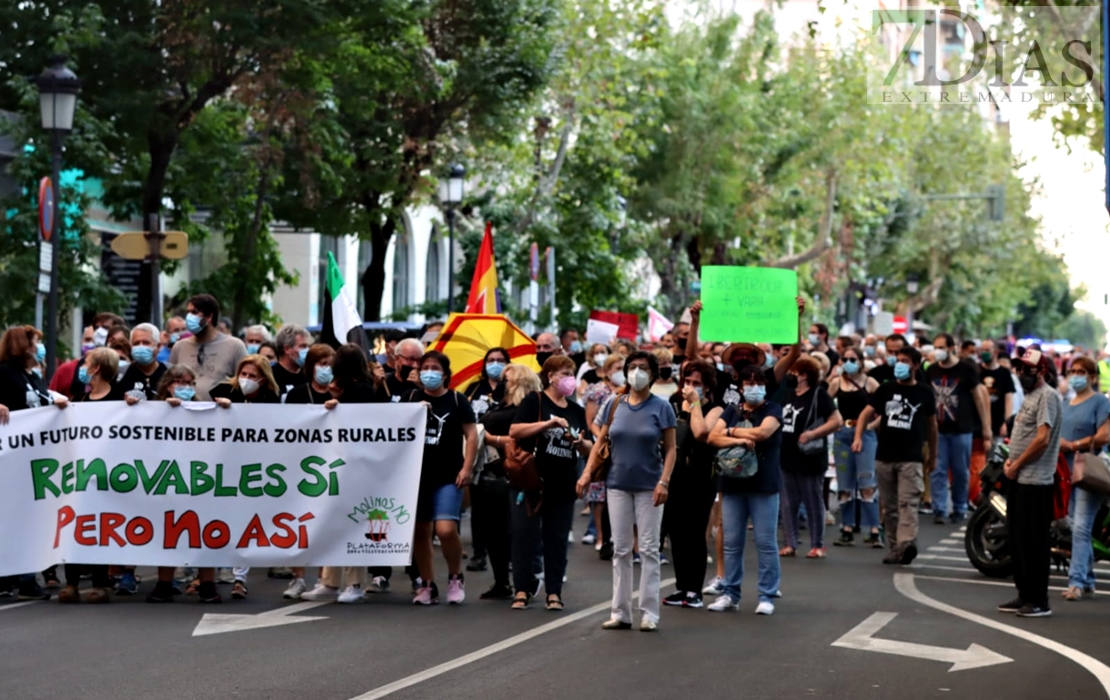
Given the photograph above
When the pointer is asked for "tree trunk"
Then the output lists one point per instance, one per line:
(160, 147)
(243, 286)
(373, 277)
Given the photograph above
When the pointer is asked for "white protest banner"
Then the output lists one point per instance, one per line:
(198, 485)
(601, 332)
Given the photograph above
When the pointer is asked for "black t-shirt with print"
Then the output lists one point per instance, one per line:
(999, 382)
(286, 380)
(135, 379)
(767, 478)
(443, 437)
(396, 388)
(905, 410)
(954, 389)
(484, 397)
(795, 418)
(305, 394)
(556, 458)
(235, 395)
(20, 389)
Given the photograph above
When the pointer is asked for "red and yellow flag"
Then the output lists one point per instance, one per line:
(484, 298)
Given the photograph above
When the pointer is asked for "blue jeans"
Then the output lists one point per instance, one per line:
(855, 472)
(1081, 572)
(953, 456)
(763, 509)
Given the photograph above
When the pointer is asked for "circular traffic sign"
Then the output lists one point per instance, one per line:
(46, 208)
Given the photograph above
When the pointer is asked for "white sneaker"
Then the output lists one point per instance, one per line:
(588, 539)
(296, 588)
(715, 586)
(765, 608)
(724, 604)
(224, 575)
(380, 584)
(598, 546)
(570, 538)
(352, 594)
(648, 625)
(321, 592)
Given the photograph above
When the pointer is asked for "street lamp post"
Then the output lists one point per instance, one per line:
(450, 196)
(911, 288)
(58, 89)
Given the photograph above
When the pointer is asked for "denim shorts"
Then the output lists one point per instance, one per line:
(439, 503)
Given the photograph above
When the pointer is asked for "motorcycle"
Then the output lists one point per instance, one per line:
(987, 540)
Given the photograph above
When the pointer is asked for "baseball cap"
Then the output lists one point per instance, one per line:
(1030, 357)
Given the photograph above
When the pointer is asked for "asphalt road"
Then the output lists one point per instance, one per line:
(934, 612)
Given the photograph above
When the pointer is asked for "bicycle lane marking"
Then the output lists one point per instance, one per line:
(906, 585)
(484, 652)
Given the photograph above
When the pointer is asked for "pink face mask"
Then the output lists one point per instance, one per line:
(566, 385)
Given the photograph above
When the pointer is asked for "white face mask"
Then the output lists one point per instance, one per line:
(941, 355)
(617, 377)
(248, 386)
(639, 379)
(599, 360)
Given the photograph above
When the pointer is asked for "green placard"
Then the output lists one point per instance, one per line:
(749, 305)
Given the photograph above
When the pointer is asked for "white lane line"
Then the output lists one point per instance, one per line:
(941, 557)
(13, 606)
(960, 550)
(906, 586)
(951, 541)
(497, 647)
(991, 583)
(970, 570)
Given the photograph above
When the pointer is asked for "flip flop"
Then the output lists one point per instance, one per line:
(787, 552)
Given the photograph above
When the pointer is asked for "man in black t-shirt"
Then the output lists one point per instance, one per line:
(960, 396)
(908, 411)
(292, 343)
(1000, 387)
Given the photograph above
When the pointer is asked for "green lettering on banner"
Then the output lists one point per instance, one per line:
(202, 481)
(93, 468)
(171, 479)
(249, 474)
(276, 487)
(748, 305)
(41, 471)
(319, 484)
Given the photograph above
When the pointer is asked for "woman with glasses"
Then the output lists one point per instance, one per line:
(857, 483)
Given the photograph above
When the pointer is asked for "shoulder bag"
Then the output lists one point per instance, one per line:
(1090, 470)
(737, 462)
(605, 450)
(520, 464)
(813, 447)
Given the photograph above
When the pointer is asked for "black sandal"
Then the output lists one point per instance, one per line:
(555, 602)
(519, 602)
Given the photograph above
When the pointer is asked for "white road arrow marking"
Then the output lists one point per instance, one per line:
(218, 623)
(862, 638)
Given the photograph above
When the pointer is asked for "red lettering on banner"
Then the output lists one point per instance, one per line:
(302, 541)
(108, 524)
(188, 522)
(65, 517)
(139, 531)
(85, 524)
(216, 534)
(253, 532)
(288, 538)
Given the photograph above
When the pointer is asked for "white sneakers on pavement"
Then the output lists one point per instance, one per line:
(321, 592)
(715, 586)
(379, 584)
(725, 603)
(352, 594)
(648, 625)
(765, 608)
(456, 591)
(295, 590)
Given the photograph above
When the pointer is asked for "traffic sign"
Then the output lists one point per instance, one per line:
(46, 258)
(44, 283)
(901, 325)
(46, 208)
(134, 245)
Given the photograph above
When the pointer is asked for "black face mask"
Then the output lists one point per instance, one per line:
(542, 357)
(681, 343)
(1027, 382)
(665, 373)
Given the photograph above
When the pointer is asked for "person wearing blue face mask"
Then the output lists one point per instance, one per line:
(211, 355)
(485, 393)
(140, 380)
(254, 337)
(572, 345)
(292, 343)
(318, 365)
(446, 470)
(755, 424)
(175, 328)
(855, 472)
(693, 484)
(907, 412)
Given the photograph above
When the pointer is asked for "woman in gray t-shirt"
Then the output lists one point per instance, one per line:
(640, 428)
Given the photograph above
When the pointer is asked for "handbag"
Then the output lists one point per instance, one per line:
(520, 464)
(1091, 471)
(605, 450)
(812, 447)
(737, 462)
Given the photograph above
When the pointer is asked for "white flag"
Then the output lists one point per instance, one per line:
(658, 325)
